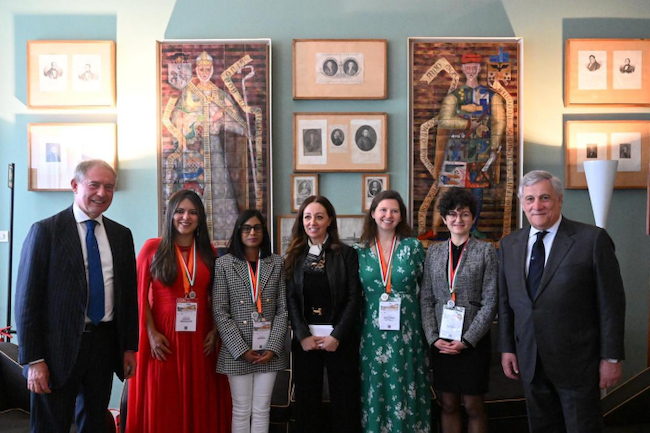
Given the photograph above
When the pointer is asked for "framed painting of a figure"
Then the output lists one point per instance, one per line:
(464, 130)
(613, 72)
(215, 127)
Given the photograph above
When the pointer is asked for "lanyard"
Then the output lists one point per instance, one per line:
(189, 275)
(451, 273)
(254, 279)
(386, 269)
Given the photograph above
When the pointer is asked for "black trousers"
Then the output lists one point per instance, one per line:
(86, 393)
(560, 410)
(343, 380)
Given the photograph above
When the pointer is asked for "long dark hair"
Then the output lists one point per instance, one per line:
(299, 237)
(164, 265)
(369, 233)
(236, 247)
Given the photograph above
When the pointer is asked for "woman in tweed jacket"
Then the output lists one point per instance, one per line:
(461, 272)
(249, 290)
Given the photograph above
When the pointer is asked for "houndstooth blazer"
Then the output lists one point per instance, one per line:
(233, 305)
(476, 289)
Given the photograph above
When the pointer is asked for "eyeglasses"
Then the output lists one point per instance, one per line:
(455, 215)
(245, 228)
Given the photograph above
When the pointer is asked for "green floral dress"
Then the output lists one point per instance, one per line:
(395, 395)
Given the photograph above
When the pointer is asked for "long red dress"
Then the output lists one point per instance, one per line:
(183, 394)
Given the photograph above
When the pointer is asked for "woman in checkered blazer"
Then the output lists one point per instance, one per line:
(250, 311)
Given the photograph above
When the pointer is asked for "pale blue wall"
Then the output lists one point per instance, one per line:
(136, 25)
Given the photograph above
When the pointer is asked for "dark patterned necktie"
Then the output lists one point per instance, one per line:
(95, 275)
(536, 268)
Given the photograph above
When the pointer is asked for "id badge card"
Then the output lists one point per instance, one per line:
(261, 334)
(389, 312)
(186, 312)
(451, 325)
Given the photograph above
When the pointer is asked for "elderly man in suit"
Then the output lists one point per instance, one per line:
(76, 309)
(561, 311)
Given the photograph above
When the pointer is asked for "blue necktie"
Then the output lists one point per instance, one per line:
(536, 267)
(95, 275)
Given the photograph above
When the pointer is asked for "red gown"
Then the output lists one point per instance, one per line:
(183, 394)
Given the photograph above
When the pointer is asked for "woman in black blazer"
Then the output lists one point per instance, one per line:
(323, 295)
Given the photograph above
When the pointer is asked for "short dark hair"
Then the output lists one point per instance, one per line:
(457, 198)
(236, 246)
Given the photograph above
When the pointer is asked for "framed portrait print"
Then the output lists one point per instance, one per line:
(626, 141)
(214, 108)
(70, 74)
(464, 130)
(607, 72)
(373, 184)
(55, 149)
(331, 142)
(339, 68)
(350, 228)
(302, 186)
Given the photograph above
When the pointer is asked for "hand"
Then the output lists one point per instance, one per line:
(159, 345)
(510, 365)
(38, 377)
(251, 356)
(265, 357)
(609, 373)
(309, 343)
(330, 344)
(129, 364)
(210, 342)
(449, 347)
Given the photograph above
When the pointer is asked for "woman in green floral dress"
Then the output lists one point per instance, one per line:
(395, 394)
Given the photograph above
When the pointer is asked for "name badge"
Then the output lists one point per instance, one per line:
(186, 312)
(451, 325)
(389, 315)
(261, 334)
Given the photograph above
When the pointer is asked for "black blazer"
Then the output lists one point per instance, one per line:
(52, 293)
(342, 269)
(578, 315)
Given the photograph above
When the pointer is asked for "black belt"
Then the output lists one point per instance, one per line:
(91, 327)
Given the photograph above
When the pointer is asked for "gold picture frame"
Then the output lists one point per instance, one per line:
(70, 74)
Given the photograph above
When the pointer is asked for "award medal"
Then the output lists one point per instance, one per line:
(254, 280)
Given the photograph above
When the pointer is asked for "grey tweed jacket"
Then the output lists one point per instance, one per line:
(233, 305)
(476, 289)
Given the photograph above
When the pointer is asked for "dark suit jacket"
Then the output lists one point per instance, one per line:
(342, 269)
(578, 315)
(52, 293)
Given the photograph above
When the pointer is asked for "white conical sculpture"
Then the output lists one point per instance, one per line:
(600, 181)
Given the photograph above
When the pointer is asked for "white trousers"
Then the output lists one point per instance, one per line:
(251, 401)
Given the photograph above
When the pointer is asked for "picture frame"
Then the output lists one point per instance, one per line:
(443, 152)
(339, 69)
(340, 142)
(232, 80)
(302, 186)
(647, 225)
(627, 141)
(350, 228)
(607, 72)
(55, 149)
(372, 184)
(70, 74)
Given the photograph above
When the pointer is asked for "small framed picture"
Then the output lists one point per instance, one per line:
(284, 226)
(373, 184)
(302, 186)
(70, 74)
(339, 69)
(55, 149)
(331, 142)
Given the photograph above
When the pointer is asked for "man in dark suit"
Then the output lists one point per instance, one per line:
(76, 308)
(561, 311)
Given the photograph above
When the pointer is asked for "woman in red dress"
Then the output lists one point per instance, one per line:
(176, 387)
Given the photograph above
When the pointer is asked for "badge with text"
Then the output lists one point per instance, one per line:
(389, 315)
(451, 325)
(261, 334)
(186, 313)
